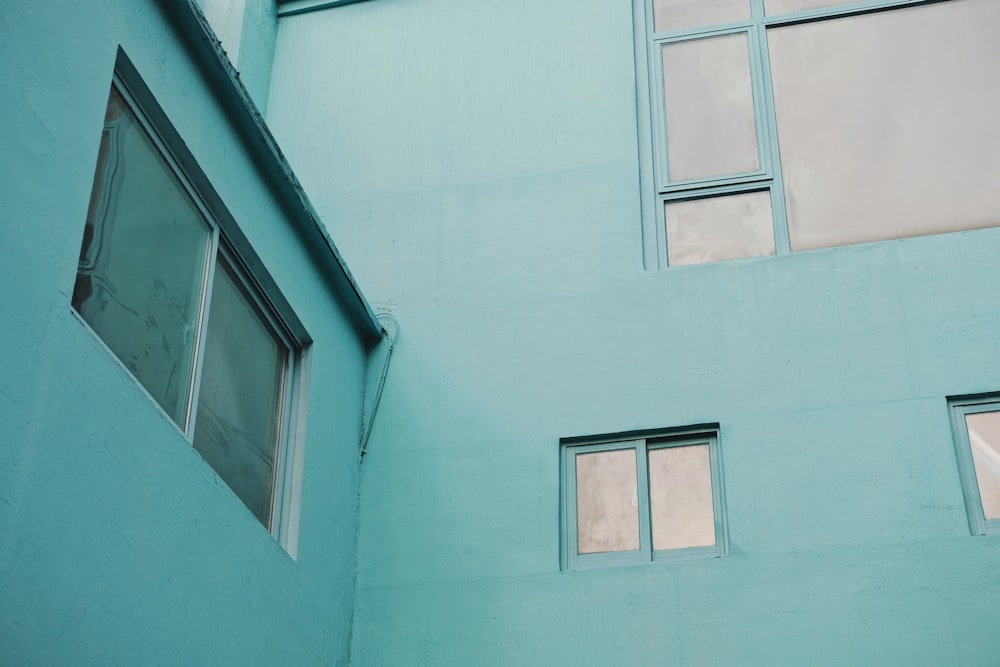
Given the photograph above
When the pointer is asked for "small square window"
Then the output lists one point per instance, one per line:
(642, 497)
(163, 287)
(976, 427)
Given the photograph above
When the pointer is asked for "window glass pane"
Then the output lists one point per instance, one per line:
(984, 436)
(680, 497)
(241, 395)
(773, 7)
(682, 14)
(719, 228)
(709, 107)
(142, 265)
(607, 504)
(887, 123)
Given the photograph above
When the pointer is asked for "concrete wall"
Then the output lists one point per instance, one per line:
(118, 544)
(477, 163)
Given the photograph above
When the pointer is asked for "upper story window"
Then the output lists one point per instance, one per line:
(166, 290)
(784, 125)
(632, 499)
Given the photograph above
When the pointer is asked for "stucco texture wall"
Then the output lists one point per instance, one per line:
(477, 163)
(118, 544)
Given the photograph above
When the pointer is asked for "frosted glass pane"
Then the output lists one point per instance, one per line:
(719, 228)
(984, 436)
(239, 404)
(607, 505)
(682, 14)
(680, 497)
(887, 123)
(141, 275)
(709, 106)
(774, 7)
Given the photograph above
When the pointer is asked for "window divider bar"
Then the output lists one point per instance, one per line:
(206, 303)
(839, 11)
(652, 242)
(642, 496)
(718, 495)
(706, 32)
(779, 212)
(690, 194)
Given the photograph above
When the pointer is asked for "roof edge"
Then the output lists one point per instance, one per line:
(207, 51)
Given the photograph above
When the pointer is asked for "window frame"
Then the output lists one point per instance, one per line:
(227, 244)
(641, 442)
(656, 191)
(959, 408)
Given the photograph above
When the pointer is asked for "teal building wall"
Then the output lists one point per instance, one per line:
(118, 544)
(478, 165)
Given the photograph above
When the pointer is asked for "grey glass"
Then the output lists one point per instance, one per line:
(710, 123)
(984, 437)
(241, 397)
(142, 270)
(719, 228)
(887, 123)
(774, 7)
(680, 497)
(607, 504)
(684, 14)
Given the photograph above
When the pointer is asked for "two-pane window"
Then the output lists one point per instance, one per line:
(784, 125)
(161, 286)
(635, 500)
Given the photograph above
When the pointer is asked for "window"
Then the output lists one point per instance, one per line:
(642, 497)
(164, 286)
(975, 423)
(784, 125)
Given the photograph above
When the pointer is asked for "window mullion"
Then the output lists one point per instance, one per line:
(718, 496)
(206, 298)
(642, 489)
(283, 461)
(765, 109)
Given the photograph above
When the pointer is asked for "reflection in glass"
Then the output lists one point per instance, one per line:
(709, 107)
(682, 14)
(984, 436)
(241, 396)
(142, 265)
(680, 497)
(607, 505)
(887, 123)
(775, 7)
(719, 228)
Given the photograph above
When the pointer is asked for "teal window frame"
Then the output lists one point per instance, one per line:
(958, 408)
(641, 442)
(655, 187)
(229, 246)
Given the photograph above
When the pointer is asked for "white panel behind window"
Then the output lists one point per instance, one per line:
(887, 123)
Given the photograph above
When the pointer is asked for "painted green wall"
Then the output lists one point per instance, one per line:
(118, 544)
(477, 163)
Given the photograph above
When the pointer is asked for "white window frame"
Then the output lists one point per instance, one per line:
(229, 245)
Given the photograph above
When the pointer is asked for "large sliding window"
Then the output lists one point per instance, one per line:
(783, 125)
(169, 292)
